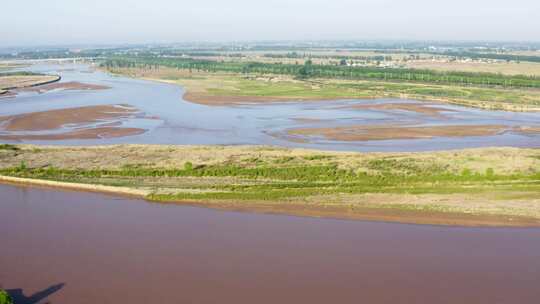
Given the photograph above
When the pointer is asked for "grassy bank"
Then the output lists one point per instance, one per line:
(227, 88)
(502, 183)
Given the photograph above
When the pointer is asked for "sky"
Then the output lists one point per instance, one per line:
(56, 22)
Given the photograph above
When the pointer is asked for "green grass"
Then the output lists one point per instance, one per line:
(268, 182)
(324, 89)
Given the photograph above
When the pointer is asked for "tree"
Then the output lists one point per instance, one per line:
(303, 72)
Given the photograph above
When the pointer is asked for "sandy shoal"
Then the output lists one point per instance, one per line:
(365, 133)
(54, 119)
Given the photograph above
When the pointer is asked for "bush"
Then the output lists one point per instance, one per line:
(5, 298)
(188, 166)
(22, 166)
(8, 147)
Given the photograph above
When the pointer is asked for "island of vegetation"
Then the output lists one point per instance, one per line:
(475, 187)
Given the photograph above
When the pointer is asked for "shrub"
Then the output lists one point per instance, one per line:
(188, 166)
(22, 166)
(5, 298)
(8, 147)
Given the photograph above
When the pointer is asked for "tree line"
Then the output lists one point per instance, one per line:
(309, 70)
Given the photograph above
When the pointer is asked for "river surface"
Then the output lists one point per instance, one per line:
(181, 122)
(89, 248)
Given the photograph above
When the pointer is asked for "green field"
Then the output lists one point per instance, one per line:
(223, 86)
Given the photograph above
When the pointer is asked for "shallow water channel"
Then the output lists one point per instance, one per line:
(168, 119)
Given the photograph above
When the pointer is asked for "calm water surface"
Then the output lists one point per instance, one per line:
(183, 122)
(107, 249)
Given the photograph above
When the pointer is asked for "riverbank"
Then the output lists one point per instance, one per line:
(219, 88)
(15, 81)
(474, 187)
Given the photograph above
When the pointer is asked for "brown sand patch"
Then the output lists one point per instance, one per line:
(529, 130)
(93, 133)
(54, 119)
(365, 133)
(91, 122)
(71, 85)
(229, 100)
(373, 213)
(11, 82)
(309, 120)
(420, 108)
(213, 100)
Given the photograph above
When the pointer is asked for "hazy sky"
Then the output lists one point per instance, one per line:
(30, 22)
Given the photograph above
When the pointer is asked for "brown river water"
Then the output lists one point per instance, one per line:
(70, 247)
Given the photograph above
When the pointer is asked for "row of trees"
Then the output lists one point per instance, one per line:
(496, 56)
(295, 55)
(330, 71)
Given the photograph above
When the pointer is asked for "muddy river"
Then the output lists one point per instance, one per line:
(71, 247)
(160, 116)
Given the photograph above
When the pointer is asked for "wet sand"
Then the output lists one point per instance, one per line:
(420, 108)
(529, 130)
(388, 132)
(55, 119)
(106, 249)
(91, 122)
(94, 133)
(230, 100)
(214, 100)
(375, 214)
(71, 85)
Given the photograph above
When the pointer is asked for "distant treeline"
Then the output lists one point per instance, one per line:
(329, 71)
(471, 55)
(295, 55)
(56, 54)
(209, 54)
(496, 56)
